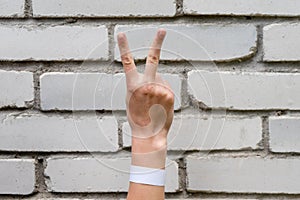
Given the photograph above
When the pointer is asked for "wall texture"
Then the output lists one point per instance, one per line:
(232, 64)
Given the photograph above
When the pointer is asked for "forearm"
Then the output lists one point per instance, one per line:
(151, 153)
(145, 192)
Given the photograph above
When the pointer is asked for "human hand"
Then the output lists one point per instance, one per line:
(149, 99)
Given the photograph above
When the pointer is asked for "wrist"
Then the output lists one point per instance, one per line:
(150, 152)
(153, 143)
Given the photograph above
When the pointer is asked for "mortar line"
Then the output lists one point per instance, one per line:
(182, 175)
(179, 8)
(37, 90)
(228, 195)
(177, 18)
(40, 178)
(188, 112)
(120, 132)
(185, 100)
(266, 135)
(28, 10)
(242, 153)
(259, 52)
(111, 41)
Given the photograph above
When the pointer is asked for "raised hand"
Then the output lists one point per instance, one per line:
(149, 100)
(150, 103)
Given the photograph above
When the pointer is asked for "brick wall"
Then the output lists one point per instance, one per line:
(232, 64)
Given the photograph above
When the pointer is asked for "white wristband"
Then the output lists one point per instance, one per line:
(145, 175)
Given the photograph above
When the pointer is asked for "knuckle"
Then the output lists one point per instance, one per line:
(162, 93)
(170, 98)
(136, 95)
(148, 89)
(153, 59)
(130, 90)
(127, 60)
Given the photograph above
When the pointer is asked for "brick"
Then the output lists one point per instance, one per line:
(97, 175)
(241, 7)
(212, 199)
(16, 88)
(243, 175)
(17, 176)
(66, 198)
(103, 8)
(52, 133)
(245, 90)
(284, 134)
(49, 198)
(204, 42)
(195, 133)
(281, 42)
(12, 8)
(53, 43)
(91, 91)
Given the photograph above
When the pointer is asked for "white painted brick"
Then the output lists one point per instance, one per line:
(204, 42)
(281, 42)
(103, 8)
(49, 198)
(82, 91)
(126, 134)
(284, 134)
(241, 7)
(17, 176)
(11, 8)
(16, 88)
(91, 91)
(97, 175)
(66, 198)
(53, 43)
(243, 175)
(245, 90)
(175, 83)
(52, 133)
(195, 133)
(212, 199)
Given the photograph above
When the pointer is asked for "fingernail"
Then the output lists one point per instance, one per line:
(121, 35)
(161, 32)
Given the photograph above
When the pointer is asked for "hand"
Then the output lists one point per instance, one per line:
(149, 100)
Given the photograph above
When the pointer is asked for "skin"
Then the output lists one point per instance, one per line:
(150, 103)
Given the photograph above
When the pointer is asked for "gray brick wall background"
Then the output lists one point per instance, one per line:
(234, 66)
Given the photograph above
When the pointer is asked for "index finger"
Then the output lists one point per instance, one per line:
(154, 55)
(126, 57)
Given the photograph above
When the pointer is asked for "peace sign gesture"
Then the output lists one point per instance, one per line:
(149, 99)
